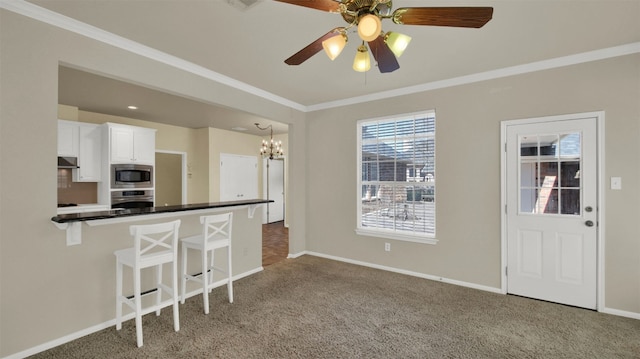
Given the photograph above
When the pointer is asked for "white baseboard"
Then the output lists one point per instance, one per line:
(617, 312)
(296, 255)
(407, 272)
(111, 323)
(620, 313)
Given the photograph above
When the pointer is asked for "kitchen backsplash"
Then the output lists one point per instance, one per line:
(75, 192)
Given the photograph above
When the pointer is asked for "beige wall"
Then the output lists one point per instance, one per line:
(67, 290)
(75, 292)
(468, 165)
(168, 182)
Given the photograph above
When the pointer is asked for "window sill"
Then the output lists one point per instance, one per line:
(397, 236)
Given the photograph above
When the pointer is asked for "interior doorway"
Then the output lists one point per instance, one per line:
(170, 178)
(275, 243)
(273, 189)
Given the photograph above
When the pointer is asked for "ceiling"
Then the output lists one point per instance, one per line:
(248, 40)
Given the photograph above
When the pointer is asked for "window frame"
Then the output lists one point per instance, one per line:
(395, 234)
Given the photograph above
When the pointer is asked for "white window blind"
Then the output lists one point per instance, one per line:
(396, 177)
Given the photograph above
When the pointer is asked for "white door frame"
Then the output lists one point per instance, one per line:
(184, 171)
(600, 166)
(266, 185)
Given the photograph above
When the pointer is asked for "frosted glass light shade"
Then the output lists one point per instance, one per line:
(369, 27)
(362, 63)
(334, 46)
(397, 42)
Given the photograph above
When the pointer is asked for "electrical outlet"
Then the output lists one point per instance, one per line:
(387, 247)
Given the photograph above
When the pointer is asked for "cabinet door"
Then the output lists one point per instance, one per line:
(90, 155)
(144, 146)
(67, 139)
(238, 177)
(121, 145)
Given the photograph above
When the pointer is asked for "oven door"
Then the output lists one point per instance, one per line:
(132, 199)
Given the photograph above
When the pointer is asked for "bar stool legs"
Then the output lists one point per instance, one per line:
(154, 245)
(216, 234)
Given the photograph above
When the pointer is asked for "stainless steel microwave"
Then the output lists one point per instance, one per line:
(131, 176)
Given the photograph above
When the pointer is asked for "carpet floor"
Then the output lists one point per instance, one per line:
(313, 307)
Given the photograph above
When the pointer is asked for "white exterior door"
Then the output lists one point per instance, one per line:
(273, 189)
(238, 177)
(551, 198)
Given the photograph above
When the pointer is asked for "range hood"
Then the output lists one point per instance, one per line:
(68, 162)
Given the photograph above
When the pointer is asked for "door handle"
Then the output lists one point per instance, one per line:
(588, 223)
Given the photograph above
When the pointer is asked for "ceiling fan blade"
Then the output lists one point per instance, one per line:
(385, 58)
(311, 49)
(474, 17)
(324, 5)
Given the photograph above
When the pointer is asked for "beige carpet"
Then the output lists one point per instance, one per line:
(312, 307)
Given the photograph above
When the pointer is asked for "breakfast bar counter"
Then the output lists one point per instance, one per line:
(72, 222)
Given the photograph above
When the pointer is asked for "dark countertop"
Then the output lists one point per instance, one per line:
(117, 213)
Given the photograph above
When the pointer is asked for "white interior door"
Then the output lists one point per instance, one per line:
(273, 189)
(551, 197)
(238, 177)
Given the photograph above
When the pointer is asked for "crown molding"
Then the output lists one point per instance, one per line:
(601, 54)
(64, 22)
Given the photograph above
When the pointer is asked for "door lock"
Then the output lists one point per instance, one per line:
(588, 208)
(588, 223)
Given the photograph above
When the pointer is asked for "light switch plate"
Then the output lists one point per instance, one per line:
(616, 182)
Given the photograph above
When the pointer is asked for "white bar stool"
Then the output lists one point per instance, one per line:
(216, 234)
(154, 245)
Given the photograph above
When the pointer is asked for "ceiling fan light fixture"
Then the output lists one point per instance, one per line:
(362, 62)
(397, 42)
(369, 27)
(334, 46)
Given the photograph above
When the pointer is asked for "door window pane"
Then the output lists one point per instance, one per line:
(529, 146)
(550, 174)
(570, 201)
(548, 145)
(570, 145)
(570, 174)
(528, 200)
(547, 201)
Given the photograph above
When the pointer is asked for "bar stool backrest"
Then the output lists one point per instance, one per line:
(217, 227)
(155, 239)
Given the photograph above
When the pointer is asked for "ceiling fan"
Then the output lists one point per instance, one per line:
(367, 15)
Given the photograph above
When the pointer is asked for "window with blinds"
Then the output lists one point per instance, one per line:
(396, 177)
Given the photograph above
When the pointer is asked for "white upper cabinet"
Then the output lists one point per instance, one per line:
(129, 144)
(90, 154)
(84, 141)
(68, 138)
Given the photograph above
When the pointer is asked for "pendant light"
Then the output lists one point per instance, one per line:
(271, 149)
(334, 46)
(362, 62)
(397, 42)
